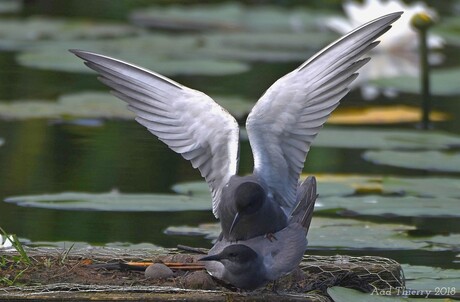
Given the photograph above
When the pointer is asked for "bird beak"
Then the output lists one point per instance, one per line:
(210, 258)
(235, 221)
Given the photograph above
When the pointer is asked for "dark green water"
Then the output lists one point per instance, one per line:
(40, 156)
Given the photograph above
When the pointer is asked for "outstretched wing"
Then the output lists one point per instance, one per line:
(286, 119)
(187, 120)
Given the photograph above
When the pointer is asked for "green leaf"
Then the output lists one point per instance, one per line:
(420, 160)
(228, 17)
(89, 104)
(444, 82)
(407, 206)
(384, 139)
(435, 187)
(337, 233)
(165, 54)
(10, 6)
(428, 278)
(200, 188)
(19, 34)
(113, 201)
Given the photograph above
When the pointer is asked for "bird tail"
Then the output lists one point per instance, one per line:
(306, 198)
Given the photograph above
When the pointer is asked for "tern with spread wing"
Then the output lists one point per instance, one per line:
(281, 128)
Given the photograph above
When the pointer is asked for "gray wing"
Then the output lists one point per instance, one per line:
(188, 121)
(286, 119)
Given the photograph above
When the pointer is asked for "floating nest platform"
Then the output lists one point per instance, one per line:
(80, 275)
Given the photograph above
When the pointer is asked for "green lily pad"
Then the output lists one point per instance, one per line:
(384, 139)
(90, 104)
(23, 33)
(228, 17)
(435, 187)
(333, 233)
(113, 201)
(343, 294)
(10, 6)
(85, 104)
(429, 278)
(444, 82)
(407, 206)
(165, 54)
(286, 47)
(421, 160)
(200, 188)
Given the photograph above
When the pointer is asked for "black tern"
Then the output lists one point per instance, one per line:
(253, 263)
(281, 128)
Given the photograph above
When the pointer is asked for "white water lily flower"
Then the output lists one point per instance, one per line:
(5, 243)
(397, 53)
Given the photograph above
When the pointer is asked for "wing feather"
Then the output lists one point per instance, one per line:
(287, 118)
(188, 121)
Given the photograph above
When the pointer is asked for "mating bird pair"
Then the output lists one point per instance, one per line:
(264, 216)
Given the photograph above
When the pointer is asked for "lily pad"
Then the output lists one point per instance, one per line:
(429, 278)
(286, 47)
(86, 104)
(200, 188)
(10, 6)
(113, 201)
(23, 33)
(444, 82)
(420, 160)
(168, 55)
(91, 104)
(382, 115)
(228, 17)
(384, 139)
(407, 206)
(343, 294)
(337, 233)
(435, 187)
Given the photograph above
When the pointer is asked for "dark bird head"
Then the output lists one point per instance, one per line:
(249, 198)
(241, 266)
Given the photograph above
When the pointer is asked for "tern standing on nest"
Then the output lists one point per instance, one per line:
(264, 216)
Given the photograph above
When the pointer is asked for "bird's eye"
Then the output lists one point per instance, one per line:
(232, 255)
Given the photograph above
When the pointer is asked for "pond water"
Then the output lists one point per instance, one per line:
(56, 155)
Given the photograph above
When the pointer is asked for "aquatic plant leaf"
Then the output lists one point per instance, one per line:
(168, 55)
(434, 187)
(113, 201)
(420, 160)
(19, 34)
(343, 294)
(84, 104)
(406, 206)
(339, 233)
(444, 82)
(264, 47)
(228, 17)
(428, 278)
(10, 6)
(382, 115)
(200, 188)
(384, 139)
(91, 104)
